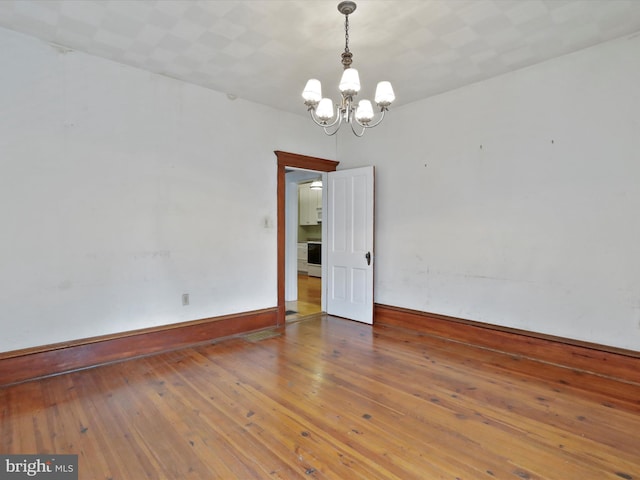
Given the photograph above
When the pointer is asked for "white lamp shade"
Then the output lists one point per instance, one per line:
(312, 92)
(384, 94)
(325, 109)
(364, 112)
(350, 82)
(316, 185)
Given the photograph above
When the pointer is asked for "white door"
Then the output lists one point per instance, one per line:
(350, 244)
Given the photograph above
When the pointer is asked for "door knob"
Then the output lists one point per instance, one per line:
(368, 257)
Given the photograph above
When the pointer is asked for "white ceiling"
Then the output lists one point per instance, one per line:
(265, 50)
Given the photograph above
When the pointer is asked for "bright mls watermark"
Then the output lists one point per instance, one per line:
(50, 467)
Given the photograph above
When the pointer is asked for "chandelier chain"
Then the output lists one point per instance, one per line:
(346, 33)
(347, 56)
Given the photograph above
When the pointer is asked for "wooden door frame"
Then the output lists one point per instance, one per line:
(294, 160)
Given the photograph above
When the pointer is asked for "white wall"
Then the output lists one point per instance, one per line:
(120, 190)
(516, 201)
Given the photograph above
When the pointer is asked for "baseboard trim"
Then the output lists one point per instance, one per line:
(29, 364)
(587, 357)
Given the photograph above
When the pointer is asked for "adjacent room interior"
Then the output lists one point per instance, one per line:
(304, 202)
(219, 262)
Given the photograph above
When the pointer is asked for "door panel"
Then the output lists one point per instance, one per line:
(350, 238)
(339, 283)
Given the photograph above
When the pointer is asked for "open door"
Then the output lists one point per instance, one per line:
(350, 244)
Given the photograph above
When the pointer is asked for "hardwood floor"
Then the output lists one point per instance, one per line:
(309, 298)
(330, 398)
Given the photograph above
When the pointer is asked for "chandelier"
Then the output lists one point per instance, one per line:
(321, 109)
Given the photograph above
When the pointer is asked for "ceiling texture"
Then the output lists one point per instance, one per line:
(265, 50)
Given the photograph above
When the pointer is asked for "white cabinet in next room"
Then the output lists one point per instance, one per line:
(309, 205)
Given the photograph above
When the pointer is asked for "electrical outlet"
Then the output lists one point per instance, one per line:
(185, 299)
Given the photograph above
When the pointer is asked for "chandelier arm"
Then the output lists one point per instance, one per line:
(353, 129)
(318, 122)
(371, 125)
(352, 120)
(339, 121)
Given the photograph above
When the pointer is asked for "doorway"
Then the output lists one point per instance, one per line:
(304, 243)
(291, 160)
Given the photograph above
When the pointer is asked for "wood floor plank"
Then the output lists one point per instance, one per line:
(331, 399)
(299, 413)
(309, 298)
(268, 413)
(332, 408)
(233, 421)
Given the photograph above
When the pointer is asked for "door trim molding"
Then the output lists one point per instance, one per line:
(293, 160)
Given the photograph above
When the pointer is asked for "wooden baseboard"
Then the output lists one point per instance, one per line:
(587, 357)
(22, 365)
